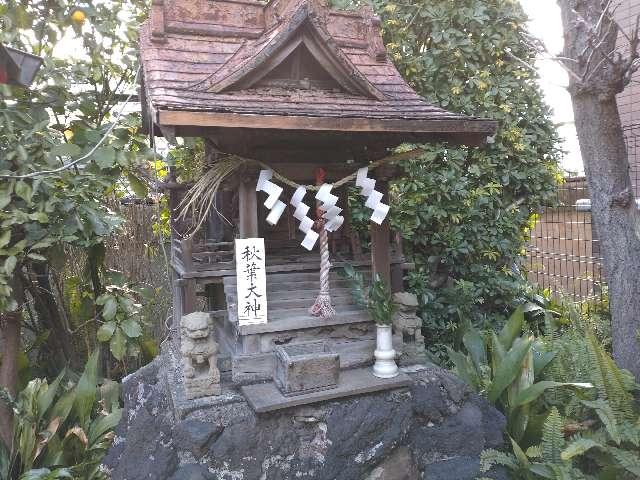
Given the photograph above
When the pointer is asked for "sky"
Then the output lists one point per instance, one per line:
(545, 24)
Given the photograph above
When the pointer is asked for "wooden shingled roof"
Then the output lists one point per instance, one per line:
(286, 64)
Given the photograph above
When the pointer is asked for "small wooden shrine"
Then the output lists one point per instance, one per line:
(298, 87)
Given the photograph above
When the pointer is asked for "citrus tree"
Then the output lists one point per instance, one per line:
(66, 148)
(465, 211)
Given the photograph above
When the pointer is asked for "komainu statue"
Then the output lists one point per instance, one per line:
(199, 356)
(408, 325)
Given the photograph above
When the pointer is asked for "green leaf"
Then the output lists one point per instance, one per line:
(475, 346)
(498, 352)
(541, 360)
(46, 397)
(63, 406)
(542, 470)
(578, 447)
(103, 425)
(110, 308)
(24, 191)
(534, 391)
(106, 330)
(512, 328)
(5, 194)
(138, 186)
(520, 455)
(630, 461)
(607, 417)
(110, 395)
(105, 157)
(464, 368)
(131, 328)
(86, 389)
(508, 369)
(10, 264)
(118, 344)
(66, 150)
(5, 238)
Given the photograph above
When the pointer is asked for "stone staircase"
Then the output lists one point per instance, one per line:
(349, 332)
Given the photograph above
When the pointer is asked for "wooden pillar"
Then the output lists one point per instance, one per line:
(188, 285)
(397, 271)
(248, 207)
(380, 243)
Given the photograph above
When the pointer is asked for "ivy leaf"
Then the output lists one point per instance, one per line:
(106, 331)
(131, 328)
(24, 191)
(10, 264)
(66, 150)
(110, 308)
(118, 344)
(5, 195)
(105, 157)
(5, 237)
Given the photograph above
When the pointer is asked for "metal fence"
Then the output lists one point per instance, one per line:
(563, 252)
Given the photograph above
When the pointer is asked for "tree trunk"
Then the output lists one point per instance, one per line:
(48, 311)
(617, 217)
(598, 76)
(10, 332)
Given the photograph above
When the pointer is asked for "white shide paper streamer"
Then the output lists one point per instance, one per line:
(300, 214)
(374, 198)
(273, 201)
(331, 215)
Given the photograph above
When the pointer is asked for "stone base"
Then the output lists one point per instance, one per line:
(433, 429)
(201, 387)
(266, 397)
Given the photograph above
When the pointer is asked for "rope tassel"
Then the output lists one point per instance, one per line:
(322, 306)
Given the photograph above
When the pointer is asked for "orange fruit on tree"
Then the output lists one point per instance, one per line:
(78, 16)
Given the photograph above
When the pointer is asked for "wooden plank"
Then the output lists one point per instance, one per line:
(266, 397)
(284, 324)
(209, 275)
(234, 120)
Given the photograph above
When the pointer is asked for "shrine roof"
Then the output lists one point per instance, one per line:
(287, 64)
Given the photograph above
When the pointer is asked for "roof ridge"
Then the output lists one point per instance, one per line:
(302, 25)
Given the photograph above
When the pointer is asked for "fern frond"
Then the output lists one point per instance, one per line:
(552, 438)
(577, 447)
(534, 451)
(489, 458)
(609, 380)
(630, 461)
(630, 432)
(607, 417)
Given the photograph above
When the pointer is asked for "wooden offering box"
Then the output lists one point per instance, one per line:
(306, 367)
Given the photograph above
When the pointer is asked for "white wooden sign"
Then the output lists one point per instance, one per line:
(251, 281)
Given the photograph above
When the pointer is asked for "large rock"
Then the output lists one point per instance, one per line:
(434, 430)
